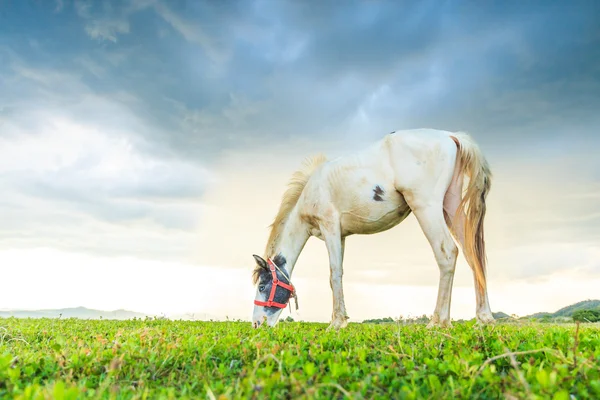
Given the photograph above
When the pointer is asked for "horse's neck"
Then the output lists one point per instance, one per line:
(291, 240)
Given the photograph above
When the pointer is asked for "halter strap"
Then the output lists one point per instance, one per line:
(276, 282)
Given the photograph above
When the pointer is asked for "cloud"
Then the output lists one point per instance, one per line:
(192, 32)
(107, 29)
(106, 21)
(90, 181)
(470, 73)
(60, 4)
(542, 262)
(90, 191)
(350, 74)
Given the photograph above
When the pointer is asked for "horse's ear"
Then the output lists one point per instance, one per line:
(259, 260)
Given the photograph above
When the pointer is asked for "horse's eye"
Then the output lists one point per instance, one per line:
(261, 288)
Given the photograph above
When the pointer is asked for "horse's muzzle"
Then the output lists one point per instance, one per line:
(259, 323)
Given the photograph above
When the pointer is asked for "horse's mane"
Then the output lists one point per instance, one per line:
(290, 198)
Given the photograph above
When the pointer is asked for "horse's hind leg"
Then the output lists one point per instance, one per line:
(457, 224)
(431, 219)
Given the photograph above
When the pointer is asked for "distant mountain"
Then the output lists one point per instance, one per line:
(569, 310)
(87, 313)
(78, 312)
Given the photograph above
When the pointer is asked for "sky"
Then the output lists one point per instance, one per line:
(145, 145)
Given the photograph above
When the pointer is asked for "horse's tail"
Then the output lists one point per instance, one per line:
(475, 166)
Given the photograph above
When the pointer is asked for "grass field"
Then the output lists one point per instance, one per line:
(68, 359)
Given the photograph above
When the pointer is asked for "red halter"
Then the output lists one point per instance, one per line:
(276, 282)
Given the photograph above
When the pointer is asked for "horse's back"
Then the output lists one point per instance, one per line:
(417, 140)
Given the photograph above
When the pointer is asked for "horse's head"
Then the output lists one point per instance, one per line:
(273, 290)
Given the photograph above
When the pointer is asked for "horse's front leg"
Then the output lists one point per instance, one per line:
(335, 247)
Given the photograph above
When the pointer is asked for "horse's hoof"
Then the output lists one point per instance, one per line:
(439, 324)
(338, 323)
(485, 320)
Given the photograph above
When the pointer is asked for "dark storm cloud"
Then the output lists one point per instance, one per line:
(512, 72)
(510, 67)
(215, 75)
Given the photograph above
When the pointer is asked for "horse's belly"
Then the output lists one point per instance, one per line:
(374, 217)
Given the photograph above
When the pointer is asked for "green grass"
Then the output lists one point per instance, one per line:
(68, 359)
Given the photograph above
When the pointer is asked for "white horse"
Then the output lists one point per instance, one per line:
(370, 192)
